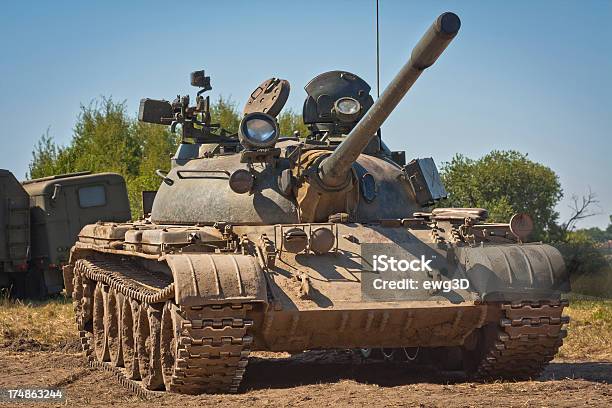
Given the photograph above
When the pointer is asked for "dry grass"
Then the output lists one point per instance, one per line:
(589, 332)
(596, 284)
(48, 323)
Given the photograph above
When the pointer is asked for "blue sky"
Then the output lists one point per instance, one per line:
(531, 76)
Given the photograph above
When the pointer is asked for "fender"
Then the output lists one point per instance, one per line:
(224, 278)
(515, 272)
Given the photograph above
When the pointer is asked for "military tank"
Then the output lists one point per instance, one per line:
(323, 241)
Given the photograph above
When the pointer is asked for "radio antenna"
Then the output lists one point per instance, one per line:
(377, 54)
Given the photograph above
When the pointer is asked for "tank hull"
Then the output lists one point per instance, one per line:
(156, 305)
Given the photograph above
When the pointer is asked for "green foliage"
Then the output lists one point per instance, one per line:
(48, 158)
(290, 122)
(158, 145)
(587, 259)
(225, 112)
(581, 255)
(105, 139)
(589, 268)
(504, 182)
(599, 235)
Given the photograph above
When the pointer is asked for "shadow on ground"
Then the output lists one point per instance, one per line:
(316, 367)
(600, 372)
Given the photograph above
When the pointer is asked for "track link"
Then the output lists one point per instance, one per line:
(528, 336)
(184, 349)
(213, 349)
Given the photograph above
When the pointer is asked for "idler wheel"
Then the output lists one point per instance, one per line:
(99, 330)
(113, 321)
(168, 345)
(147, 346)
(129, 309)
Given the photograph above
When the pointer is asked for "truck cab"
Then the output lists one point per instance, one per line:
(59, 207)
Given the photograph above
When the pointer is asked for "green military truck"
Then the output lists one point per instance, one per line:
(40, 220)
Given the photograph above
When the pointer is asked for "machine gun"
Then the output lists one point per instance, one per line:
(195, 121)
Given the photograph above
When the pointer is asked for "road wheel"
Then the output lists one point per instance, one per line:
(147, 346)
(168, 347)
(113, 321)
(129, 310)
(99, 328)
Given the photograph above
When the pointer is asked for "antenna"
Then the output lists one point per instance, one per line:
(377, 54)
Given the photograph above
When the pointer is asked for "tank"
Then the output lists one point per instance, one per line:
(263, 242)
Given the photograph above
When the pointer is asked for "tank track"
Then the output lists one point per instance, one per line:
(528, 337)
(130, 326)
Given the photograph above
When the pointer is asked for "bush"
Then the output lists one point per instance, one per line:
(581, 254)
(589, 269)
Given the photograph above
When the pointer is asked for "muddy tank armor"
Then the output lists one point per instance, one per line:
(256, 242)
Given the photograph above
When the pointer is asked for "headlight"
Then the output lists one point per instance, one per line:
(258, 130)
(347, 109)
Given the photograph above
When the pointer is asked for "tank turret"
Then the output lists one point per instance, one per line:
(333, 171)
(366, 187)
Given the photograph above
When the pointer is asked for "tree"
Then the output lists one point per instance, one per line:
(158, 145)
(104, 139)
(290, 122)
(597, 234)
(505, 183)
(581, 209)
(47, 158)
(581, 255)
(225, 112)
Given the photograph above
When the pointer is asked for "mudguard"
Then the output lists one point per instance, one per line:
(221, 278)
(515, 272)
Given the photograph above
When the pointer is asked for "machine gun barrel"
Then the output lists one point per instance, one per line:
(334, 169)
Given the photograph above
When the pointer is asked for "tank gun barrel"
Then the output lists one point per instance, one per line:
(334, 169)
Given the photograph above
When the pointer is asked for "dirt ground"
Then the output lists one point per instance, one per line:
(39, 348)
(322, 379)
